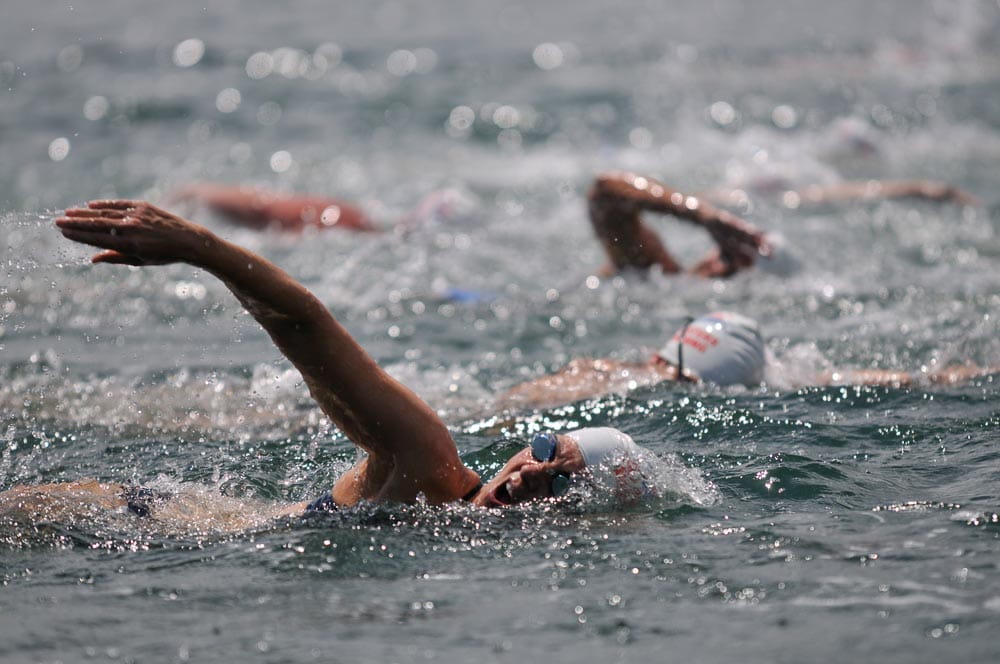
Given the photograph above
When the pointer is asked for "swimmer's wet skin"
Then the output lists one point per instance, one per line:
(721, 349)
(410, 453)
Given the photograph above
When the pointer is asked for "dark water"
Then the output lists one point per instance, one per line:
(799, 523)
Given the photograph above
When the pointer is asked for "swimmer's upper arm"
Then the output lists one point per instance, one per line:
(871, 190)
(614, 204)
(294, 212)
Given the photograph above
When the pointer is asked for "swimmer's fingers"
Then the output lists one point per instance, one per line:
(963, 197)
(739, 245)
(714, 265)
(114, 204)
(119, 250)
(105, 239)
(140, 233)
(106, 233)
(118, 258)
(90, 213)
(736, 237)
(94, 223)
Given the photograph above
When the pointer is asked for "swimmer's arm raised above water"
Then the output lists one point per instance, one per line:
(410, 448)
(616, 201)
(259, 208)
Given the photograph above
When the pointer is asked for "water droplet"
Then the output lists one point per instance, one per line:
(59, 149)
(189, 52)
(228, 100)
(548, 56)
(401, 63)
(70, 58)
(95, 108)
(281, 161)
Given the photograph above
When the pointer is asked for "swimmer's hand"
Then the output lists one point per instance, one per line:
(945, 193)
(135, 233)
(739, 242)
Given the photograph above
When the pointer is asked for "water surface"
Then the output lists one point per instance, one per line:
(798, 523)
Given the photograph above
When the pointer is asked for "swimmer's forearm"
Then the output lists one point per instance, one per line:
(873, 377)
(870, 190)
(261, 285)
(299, 324)
(372, 408)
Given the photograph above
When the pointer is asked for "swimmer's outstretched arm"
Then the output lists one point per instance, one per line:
(259, 208)
(870, 190)
(616, 201)
(410, 449)
(950, 375)
(584, 378)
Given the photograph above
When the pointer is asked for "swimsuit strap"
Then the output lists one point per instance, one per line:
(472, 494)
(324, 503)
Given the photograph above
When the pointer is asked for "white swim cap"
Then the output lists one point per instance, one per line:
(614, 461)
(780, 261)
(722, 348)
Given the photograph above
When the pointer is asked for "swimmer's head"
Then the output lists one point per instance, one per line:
(723, 348)
(604, 458)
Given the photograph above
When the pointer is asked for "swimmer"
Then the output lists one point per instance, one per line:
(722, 349)
(844, 192)
(614, 207)
(259, 208)
(616, 201)
(410, 453)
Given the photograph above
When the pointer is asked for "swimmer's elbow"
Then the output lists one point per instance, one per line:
(607, 186)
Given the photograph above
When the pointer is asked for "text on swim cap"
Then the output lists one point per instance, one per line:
(697, 338)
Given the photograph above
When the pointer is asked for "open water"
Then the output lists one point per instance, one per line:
(798, 524)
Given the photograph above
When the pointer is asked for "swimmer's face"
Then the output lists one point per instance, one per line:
(524, 478)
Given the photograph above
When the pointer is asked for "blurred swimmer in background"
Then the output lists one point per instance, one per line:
(615, 200)
(721, 349)
(261, 208)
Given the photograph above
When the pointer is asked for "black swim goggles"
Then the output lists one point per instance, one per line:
(543, 448)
